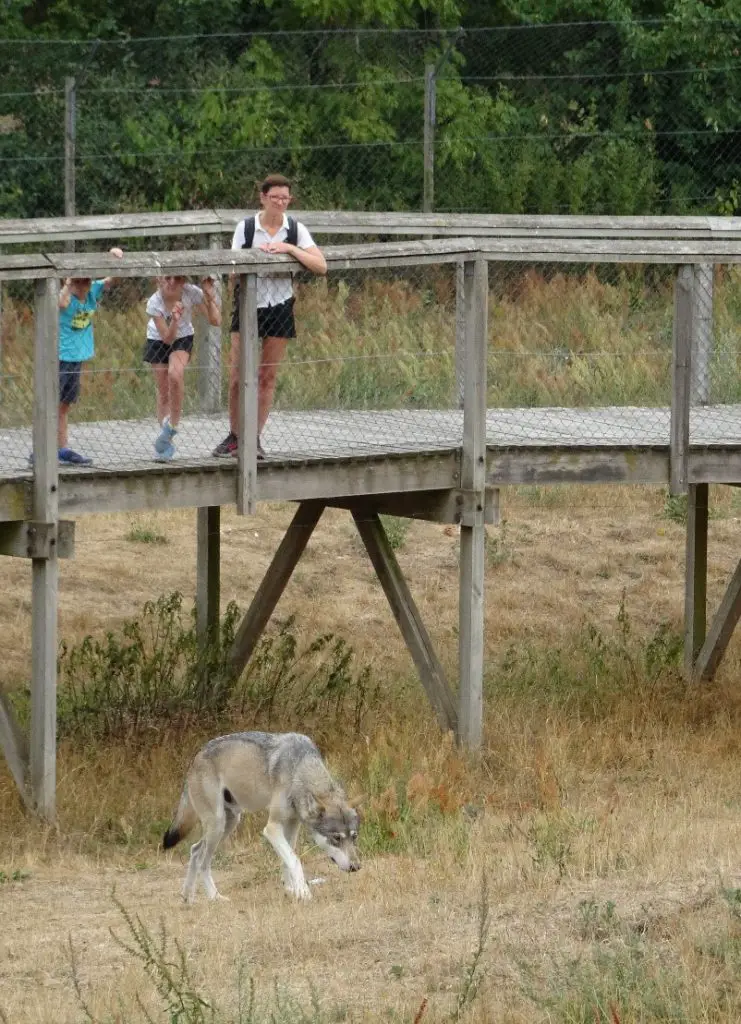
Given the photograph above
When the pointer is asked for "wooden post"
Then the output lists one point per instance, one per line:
(681, 381)
(460, 333)
(473, 533)
(210, 367)
(208, 573)
(695, 575)
(45, 571)
(2, 387)
(248, 367)
(70, 146)
(702, 332)
(428, 192)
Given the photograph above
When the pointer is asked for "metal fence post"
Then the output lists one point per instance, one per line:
(70, 144)
(428, 192)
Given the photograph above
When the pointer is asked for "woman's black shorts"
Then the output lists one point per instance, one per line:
(272, 321)
(157, 353)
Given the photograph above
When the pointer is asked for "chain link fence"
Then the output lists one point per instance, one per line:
(617, 118)
(578, 356)
(371, 369)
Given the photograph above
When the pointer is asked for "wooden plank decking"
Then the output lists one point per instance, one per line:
(330, 453)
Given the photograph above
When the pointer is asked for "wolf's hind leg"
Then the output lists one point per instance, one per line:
(211, 839)
(232, 820)
(194, 870)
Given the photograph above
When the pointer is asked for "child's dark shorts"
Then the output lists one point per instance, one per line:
(272, 321)
(69, 382)
(157, 353)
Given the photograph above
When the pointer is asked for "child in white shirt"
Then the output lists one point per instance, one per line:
(169, 345)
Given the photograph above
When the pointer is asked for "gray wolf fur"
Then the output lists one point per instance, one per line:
(253, 771)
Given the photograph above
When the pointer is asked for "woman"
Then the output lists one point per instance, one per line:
(272, 231)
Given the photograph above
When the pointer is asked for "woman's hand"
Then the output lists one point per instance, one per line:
(277, 247)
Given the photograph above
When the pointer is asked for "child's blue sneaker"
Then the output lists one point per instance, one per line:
(166, 454)
(165, 436)
(68, 457)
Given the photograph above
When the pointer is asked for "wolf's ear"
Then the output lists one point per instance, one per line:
(310, 809)
(357, 803)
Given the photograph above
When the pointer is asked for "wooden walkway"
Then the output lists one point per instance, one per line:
(361, 448)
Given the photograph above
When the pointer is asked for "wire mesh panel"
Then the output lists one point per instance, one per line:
(112, 400)
(371, 367)
(358, 362)
(580, 354)
(16, 372)
(716, 386)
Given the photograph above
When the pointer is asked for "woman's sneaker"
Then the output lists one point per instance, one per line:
(228, 448)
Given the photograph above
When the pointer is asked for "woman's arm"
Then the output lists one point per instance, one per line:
(311, 258)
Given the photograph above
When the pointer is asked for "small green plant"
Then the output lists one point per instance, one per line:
(13, 876)
(498, 547)
(145, 535)
(675, 508)
(551, 838)
(598, 921)
(396, 529)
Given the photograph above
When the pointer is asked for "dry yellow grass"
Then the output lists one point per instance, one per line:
(610, 832)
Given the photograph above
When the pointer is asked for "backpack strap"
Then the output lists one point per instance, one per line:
(249, 232)
(292, 235)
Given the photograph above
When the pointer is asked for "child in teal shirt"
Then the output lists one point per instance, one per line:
(78, 301)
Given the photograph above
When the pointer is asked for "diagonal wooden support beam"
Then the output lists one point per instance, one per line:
(720, 631)
(14, 746)
(407, 615)
(695, 575)
(274, 583)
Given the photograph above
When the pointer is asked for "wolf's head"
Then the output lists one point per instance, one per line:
(333, 825)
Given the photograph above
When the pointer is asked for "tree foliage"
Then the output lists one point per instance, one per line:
(585, 106)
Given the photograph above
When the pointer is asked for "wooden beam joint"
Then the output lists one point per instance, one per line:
(34, 539)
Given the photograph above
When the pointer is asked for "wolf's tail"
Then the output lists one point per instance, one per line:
(185, 819)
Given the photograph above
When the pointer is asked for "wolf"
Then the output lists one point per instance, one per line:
(253, 771)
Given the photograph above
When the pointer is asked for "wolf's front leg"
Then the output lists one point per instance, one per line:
(293, 872)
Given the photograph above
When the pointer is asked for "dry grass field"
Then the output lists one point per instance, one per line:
(585, 868)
